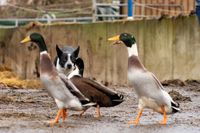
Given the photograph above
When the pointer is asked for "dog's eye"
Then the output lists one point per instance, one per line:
(73, 59)
(63, 61)
(66, 58)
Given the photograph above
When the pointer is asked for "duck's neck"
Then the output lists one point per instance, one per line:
(46, 66)
(132, 50)
(41, 44)
(133, 60)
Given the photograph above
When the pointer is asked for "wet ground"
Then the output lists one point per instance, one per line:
(30, 110)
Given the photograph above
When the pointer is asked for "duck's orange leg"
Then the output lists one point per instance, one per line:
(164, 121)
(98, 113)
(64, 114)
(81, 114)
(59, 113)
(137, 118)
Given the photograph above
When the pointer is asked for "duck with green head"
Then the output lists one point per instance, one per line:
(65, 94)
(148, 88)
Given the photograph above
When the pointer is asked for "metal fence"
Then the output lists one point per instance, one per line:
(15, 22)
(113, 11)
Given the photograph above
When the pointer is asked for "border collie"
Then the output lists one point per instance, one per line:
(66, 59)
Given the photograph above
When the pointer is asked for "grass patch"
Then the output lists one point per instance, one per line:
(10, 79)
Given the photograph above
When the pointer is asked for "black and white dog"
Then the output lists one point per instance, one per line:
(67, 61)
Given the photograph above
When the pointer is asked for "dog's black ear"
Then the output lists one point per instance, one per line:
(59, 51)
(76, 52)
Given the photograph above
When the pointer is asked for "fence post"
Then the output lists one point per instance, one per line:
(143, 10)
(16, 22)
(198, 9)
(130, 9)
(49, 20)
(94, 10)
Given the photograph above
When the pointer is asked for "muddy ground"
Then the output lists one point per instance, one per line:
(30, 110)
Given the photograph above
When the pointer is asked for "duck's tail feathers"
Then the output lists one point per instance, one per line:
(175, 107)
(117, 99)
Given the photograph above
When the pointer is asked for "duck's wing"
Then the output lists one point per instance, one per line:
(57, 89)
(103, 89)
(99, 86)
(157, 81)
(97, 92)
(72, 88)
(153, 88)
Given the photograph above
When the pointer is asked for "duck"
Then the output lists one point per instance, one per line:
(149, 90)
(94, 91)
(62, 90)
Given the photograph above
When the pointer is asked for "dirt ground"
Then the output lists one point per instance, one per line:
(30, 110)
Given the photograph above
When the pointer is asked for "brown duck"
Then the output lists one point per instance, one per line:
(94, 91)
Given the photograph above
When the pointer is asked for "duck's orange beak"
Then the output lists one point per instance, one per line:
(116, 40)
(27, 39)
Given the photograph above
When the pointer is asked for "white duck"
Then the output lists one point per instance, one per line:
(65, 94)
(149, 90)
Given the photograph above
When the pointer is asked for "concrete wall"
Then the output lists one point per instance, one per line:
(170, 48)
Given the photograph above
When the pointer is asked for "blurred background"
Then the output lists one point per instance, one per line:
(166, 31)
(20, 12)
